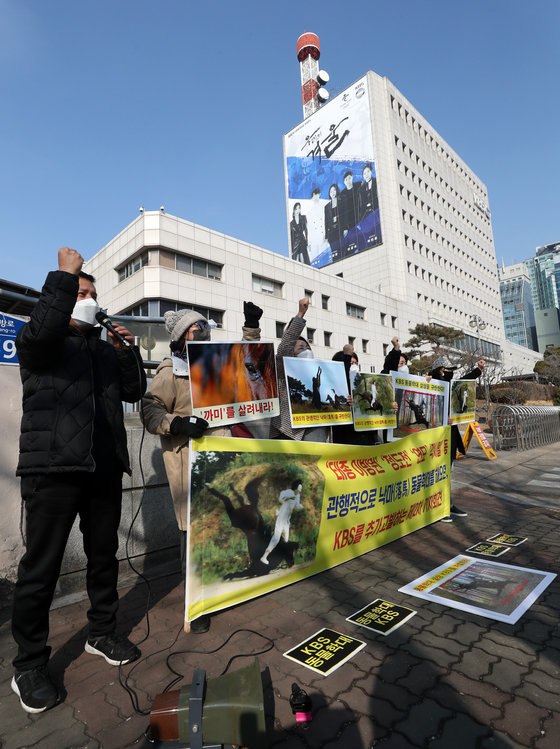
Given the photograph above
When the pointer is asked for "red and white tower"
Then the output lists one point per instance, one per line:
(312, 79)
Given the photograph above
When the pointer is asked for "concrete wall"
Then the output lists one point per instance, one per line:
(152, 543)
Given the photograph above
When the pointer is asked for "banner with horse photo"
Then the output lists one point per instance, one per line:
(421, 405)
(318, 392)
(233, 382)
(372, 401)
(462, 401)
(266, 513)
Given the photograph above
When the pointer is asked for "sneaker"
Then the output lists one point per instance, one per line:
(446, 519)
(35, 689)
(201, 625)
(116, 649)
(456, 511)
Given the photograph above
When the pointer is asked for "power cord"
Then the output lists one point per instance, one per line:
(178, 675)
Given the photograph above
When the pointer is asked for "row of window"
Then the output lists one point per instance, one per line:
(311, 335)
(418, 246)
(275, 288)
(409, 218)
(421, 131)
(426, 208)
(479, 214)
(206, 269)
(173, 260)
(158, 307)
(449, 287)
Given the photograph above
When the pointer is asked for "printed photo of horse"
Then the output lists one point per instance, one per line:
(241, 376)
(463, 401)
(318, 392)
(372, 395)
(252, 515)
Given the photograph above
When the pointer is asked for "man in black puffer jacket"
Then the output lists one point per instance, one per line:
(72, 456)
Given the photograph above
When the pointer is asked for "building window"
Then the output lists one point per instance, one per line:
(309, 294)
(198, 267)
(353, 310)
(132, 266)
(324, 301)
(280, 327)
(310, 334)
(365, 345)
(382, 317)
(327, 337)
(351, 340)
(267, 286)
(210, 314)
(139, 310)
(393, 321)
(385, 349)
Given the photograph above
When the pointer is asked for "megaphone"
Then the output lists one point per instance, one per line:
(227, 709)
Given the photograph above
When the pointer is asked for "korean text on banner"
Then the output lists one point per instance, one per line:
(266, 513)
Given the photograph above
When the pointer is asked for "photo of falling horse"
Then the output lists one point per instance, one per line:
(247, 518)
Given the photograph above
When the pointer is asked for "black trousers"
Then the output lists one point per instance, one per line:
(52, 502)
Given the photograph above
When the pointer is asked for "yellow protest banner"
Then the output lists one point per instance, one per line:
(266, 513)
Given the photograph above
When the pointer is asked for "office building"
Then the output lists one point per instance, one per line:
(411, 242)
(517, 305)
(544, 273)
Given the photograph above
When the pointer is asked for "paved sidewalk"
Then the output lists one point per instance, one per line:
(445, 679)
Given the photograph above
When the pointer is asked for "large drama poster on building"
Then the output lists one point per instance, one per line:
(420, 404)
(266, 513)
(317, 392)
(232, 382)
(331, 181)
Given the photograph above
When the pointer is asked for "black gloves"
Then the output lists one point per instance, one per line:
(252, 314)
(190, 426)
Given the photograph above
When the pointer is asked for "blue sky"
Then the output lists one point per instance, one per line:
(113, 104)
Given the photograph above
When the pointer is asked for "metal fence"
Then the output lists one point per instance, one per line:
(524, 427)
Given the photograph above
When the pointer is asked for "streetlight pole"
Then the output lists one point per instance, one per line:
(477, 322)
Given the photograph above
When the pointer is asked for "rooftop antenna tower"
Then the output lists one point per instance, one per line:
(312, 79)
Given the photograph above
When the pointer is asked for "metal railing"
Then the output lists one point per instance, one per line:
(525, 427)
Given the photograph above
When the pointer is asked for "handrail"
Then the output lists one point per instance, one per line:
(525, 427)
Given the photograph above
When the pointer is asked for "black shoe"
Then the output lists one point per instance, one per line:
(35, 689)
(446, 519)
(456, 511)
(116, 649)
(201, 625)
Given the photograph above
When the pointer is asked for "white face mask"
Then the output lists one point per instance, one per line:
(354, 368)
(306, 354)
(404, 368)
(84, 313)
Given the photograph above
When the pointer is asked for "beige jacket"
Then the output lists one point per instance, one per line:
(170, 396)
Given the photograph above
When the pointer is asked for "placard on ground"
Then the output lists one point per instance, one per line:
(491, 589)
(325, 651)
(488, 550)
(381, 616)
(505, 538)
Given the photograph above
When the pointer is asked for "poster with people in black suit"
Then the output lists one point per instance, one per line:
(331, 181)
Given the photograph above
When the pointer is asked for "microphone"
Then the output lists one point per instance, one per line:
(102, 319)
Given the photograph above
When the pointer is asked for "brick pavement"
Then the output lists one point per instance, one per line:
(445, 680)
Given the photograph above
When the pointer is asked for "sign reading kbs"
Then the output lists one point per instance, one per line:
(325, 651)
(382, 616)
